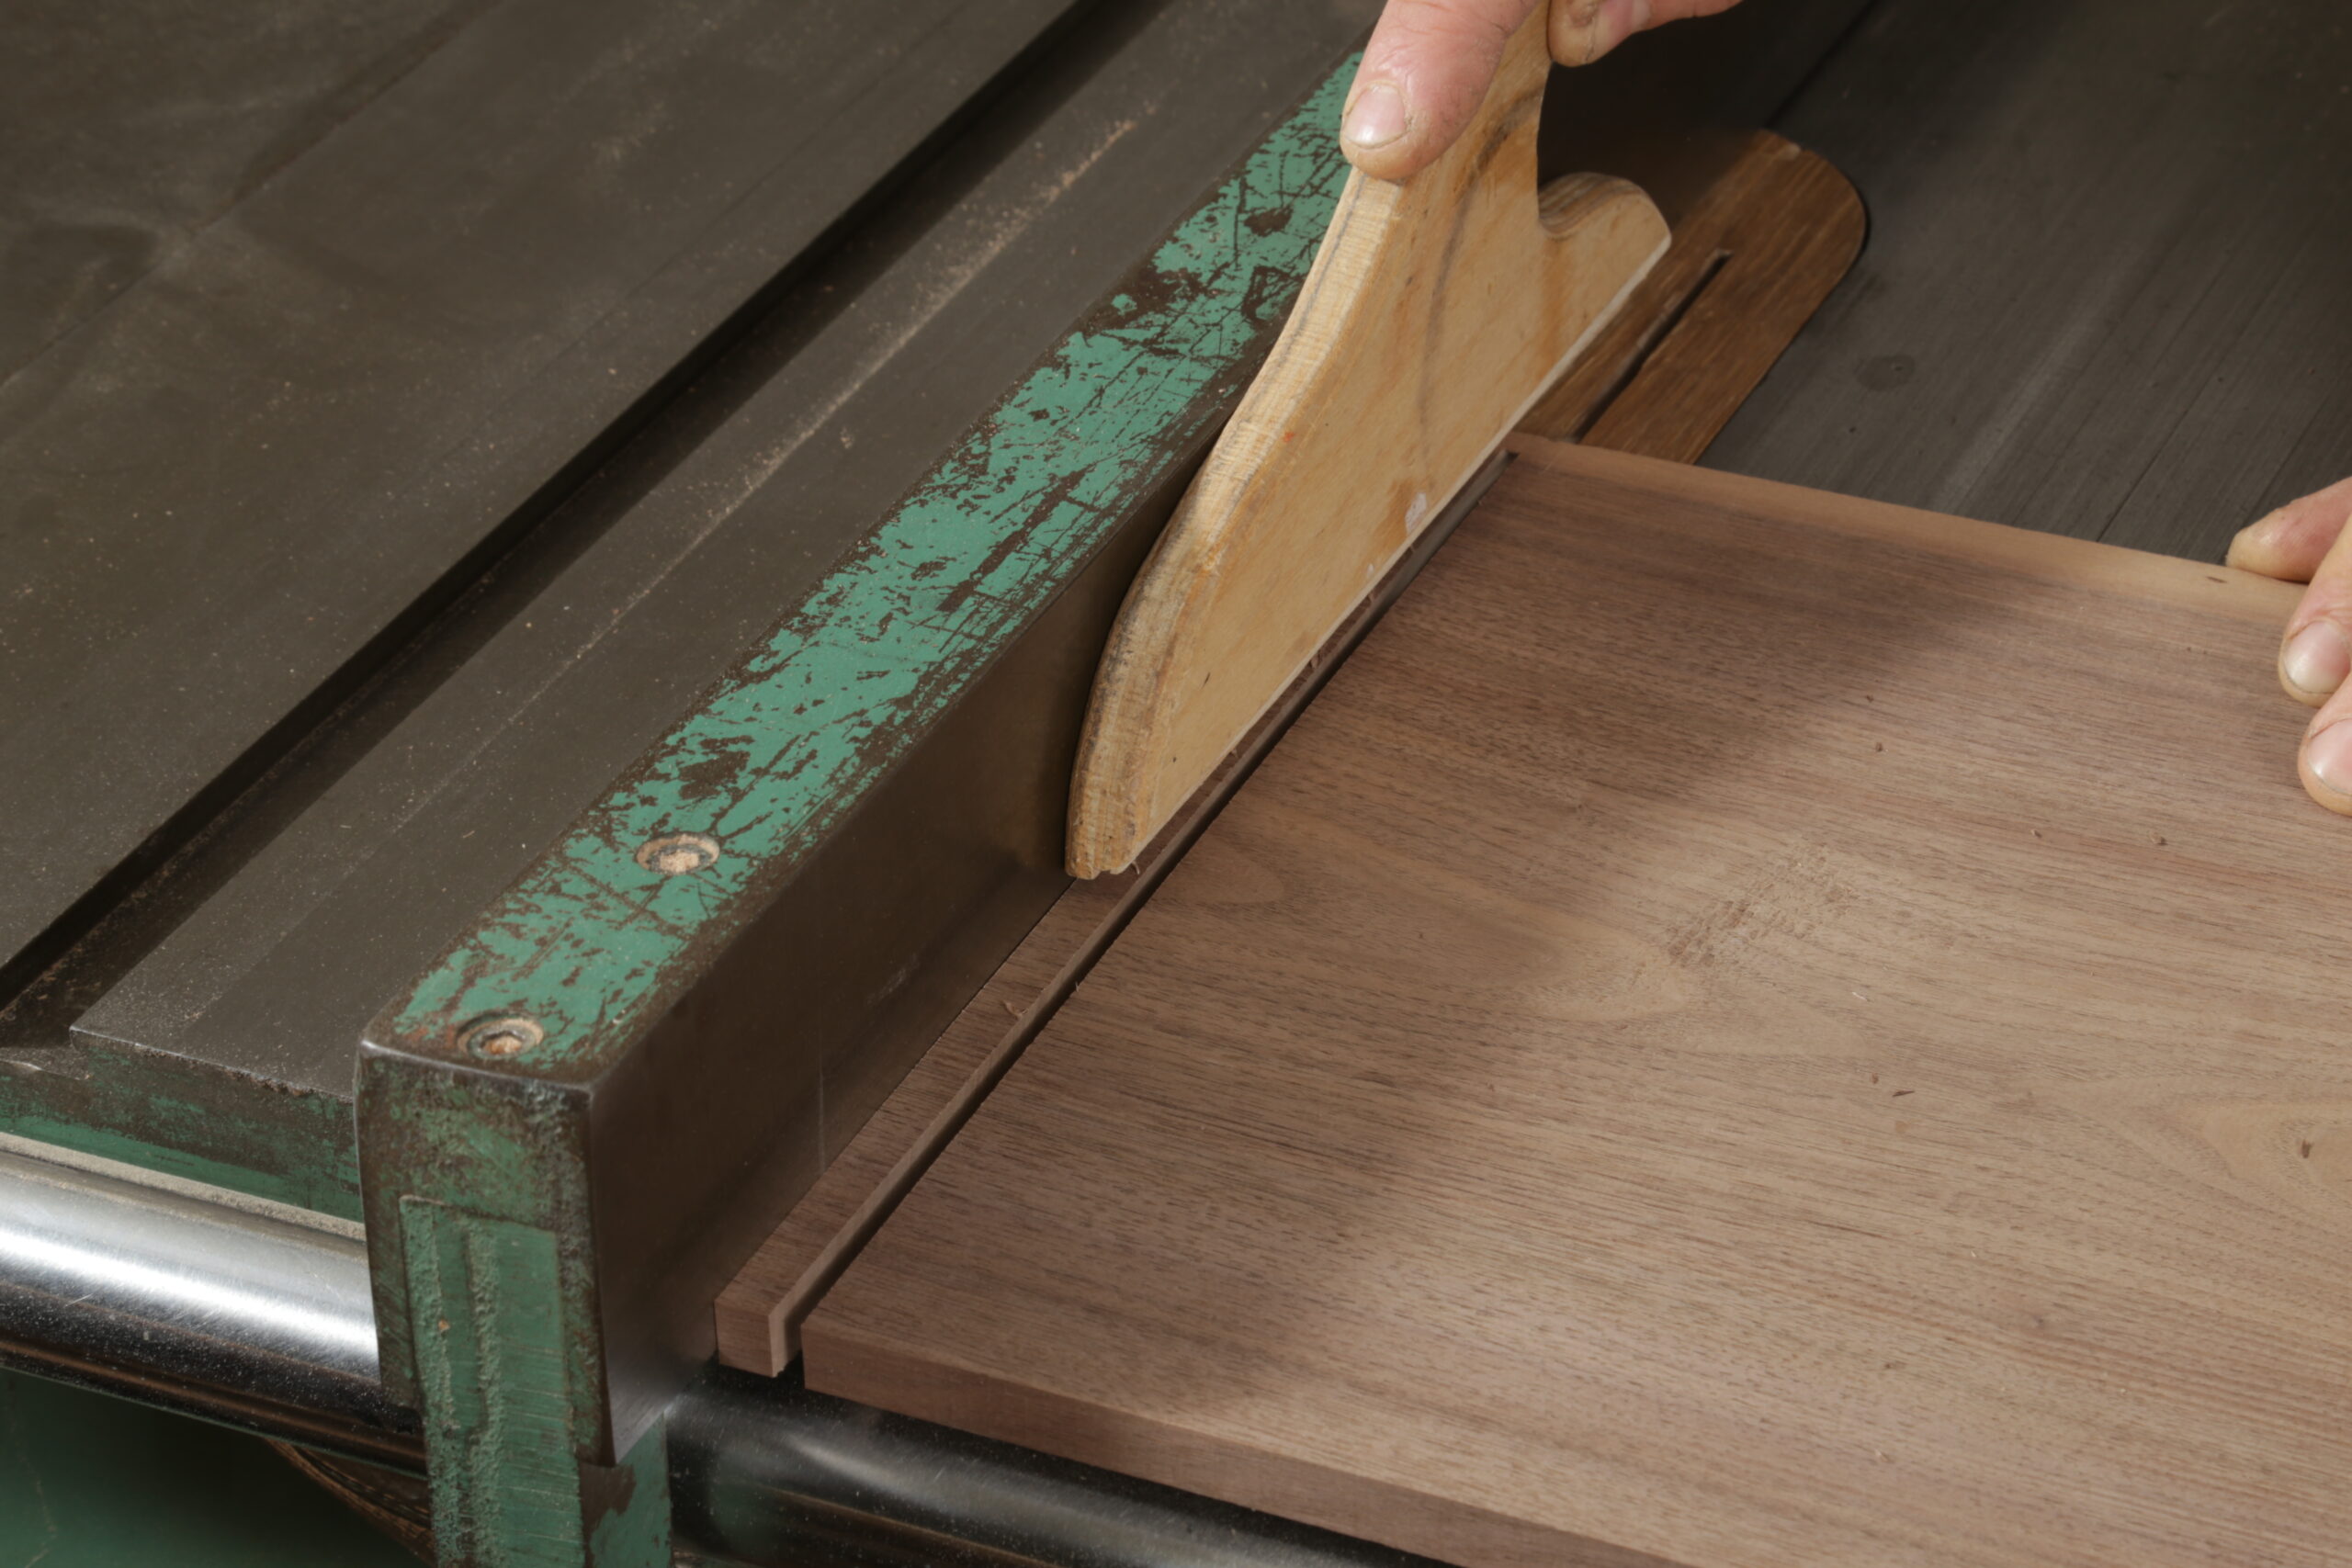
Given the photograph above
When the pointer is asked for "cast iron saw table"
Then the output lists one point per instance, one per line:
(554, 558)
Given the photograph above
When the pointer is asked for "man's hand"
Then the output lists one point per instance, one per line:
(2306, 541)
(1430, 61)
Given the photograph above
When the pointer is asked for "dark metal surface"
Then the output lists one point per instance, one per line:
(524, 702)
(763, 1471)
(112, 159)
(264, 950)
(231, 488)
(699, 1133)
(1669, 109)
(2104, 292)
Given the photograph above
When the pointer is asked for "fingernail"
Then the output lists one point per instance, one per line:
(1576, 32)
(1619, 23)
(2328, 754)
(2253, 537)
(1376, 118)
(2316, 660)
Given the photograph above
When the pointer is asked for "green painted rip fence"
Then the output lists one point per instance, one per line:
(593, 939)
(569, 1128)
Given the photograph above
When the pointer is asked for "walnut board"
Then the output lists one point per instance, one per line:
(757, 1318)
(1745, 270)
(1745, 1027)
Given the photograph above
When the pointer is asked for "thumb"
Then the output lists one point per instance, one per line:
(1582, 32)
(1424, 74)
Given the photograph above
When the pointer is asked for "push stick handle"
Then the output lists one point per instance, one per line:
(1436, 312)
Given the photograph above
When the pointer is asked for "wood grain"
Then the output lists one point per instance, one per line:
(1749, 265)
(1436, 314)
(758, 1316)
(1744, 1028)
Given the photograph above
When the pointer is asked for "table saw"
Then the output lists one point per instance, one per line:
(558, 561)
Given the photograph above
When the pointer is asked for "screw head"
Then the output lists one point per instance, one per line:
(677, 854)
(508, 1035)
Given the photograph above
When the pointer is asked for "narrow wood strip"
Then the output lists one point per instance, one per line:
(760, 1313)
(1748, 267)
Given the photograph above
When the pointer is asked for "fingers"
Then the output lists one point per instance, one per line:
(2315, 653)
(1583, 31)
(1424, 73)
(2291, 541)
(1428, 65)
(2326, 760)
(2306, 541)
(2314, 658)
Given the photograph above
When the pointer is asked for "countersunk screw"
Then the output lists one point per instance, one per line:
(675, 855)
(508, 1036)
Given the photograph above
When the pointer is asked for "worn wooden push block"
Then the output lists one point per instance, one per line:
(1438, 311)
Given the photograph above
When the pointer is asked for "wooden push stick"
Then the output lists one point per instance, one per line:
(1755, 258)
(1436, 314)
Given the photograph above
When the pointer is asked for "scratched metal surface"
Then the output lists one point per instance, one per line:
(223, 487)
(730, 512)
(542, 189)
(2106, 291)
(113, 160)
(254, 956)
(263, 952)
(872, 797)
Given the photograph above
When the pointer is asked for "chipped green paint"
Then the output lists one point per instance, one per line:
(590, 944)
(323, 1193)
(300, 1153)
(496, 1378)
(439, 1143)
(492, 1294)
(490, 1355)
(634, 1531)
